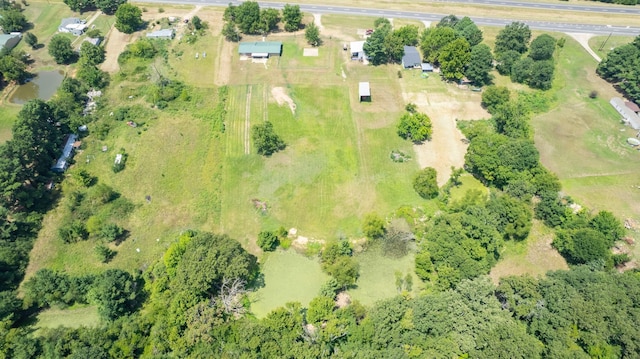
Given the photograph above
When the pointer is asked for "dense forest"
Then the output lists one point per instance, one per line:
(193, 302)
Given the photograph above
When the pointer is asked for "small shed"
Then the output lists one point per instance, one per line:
(67, 151)
(164, 34)
(260, 49)
(72, 25)
(9, 41)
(411, 58)
(426, 67)
(364, 92)
(93, 40)
(357, 50)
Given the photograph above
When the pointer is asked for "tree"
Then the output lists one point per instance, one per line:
(448, 21)
(521, 70)
(479, 66)
(345, 270)
(320, 309)
(494, 96)
(13, 69)
(582, 246)
(115, 292)
(247, 17)
(541, 75)
(267, 241)
(506, 60)
(12, 20)
(104, 253)
(471, 33)
(425, 183)
(607, 224)
(375, 48)
(542, 47)
(513, 216)
(109, 7)
(79, 5)
(312, 34)
(197, 23)
(269, 19)
(408, 35)
(230, 31)
(453, 58)
(31, 40)
(128, 18)
(91, 54)
(515, 37)
(433, 40)
(512, 119)
(415, 127)
(373, 226)
(60, 49)
(292, 17)
(621, 66)
(266, 140)
(91, 75)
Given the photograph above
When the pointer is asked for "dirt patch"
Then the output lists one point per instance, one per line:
(116, 43)
(310, 52)
(281, 97)
(448, 145)
(343, 300)
(317, 19)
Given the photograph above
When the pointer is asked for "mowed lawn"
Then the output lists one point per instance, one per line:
(8, 115)
(583, 141)
(333, 171)
(75, 317)
(288, 277)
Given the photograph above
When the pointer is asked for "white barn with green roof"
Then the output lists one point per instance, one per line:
(260, 49)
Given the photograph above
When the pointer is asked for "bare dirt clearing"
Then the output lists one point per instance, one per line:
(116, 43)
(448, 146)
(281, 97)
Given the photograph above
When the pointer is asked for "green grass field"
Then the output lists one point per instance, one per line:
(74, 317)
(288, 277)
(603, 44)
(8, 114)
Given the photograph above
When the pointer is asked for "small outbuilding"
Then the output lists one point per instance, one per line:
(93, 40)
(364, 92)
(411, 58)
(73, 25)
(357, 50)
(9, 41)
(627, 114)
(164, 34)
(426, 67)
(67, 152)
(260, 49)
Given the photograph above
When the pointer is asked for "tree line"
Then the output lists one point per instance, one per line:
(621, 66)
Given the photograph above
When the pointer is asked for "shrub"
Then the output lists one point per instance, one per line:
(110, 232)
(72, 232)
(425, 183)
(103, 253)
(593, 94)
(267, 241)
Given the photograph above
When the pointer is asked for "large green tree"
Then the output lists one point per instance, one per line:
(312, 34)
(425, 183)
(541, 76)
(292, 17)
(542, 47)
(265, 139)
(515, 37)
(12, 69)
(128, 18)
(453, 59)
(60, 49)
(375, 47)
(415, 126)
(494, 97)
(91, 54)
(116, 293)
(109, 7)
(433, 40)
(480, 65)
(621, 66)
(13, 20)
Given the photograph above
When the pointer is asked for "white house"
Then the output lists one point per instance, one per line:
(72, 25)
(357, 50)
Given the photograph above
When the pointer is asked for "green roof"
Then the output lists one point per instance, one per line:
(270, 47)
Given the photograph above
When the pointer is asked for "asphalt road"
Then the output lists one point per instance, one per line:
(616, 29)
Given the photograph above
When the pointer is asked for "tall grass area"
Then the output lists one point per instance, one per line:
(81, 316)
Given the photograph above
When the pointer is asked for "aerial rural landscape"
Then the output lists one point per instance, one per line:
(351, 179)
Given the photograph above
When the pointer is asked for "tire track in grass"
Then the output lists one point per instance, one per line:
(247, 122)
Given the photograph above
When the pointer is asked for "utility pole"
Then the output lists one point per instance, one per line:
(605, 41)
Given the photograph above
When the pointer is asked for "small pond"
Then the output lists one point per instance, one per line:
(42, 86)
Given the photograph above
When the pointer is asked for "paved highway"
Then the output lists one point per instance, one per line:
(616, 29)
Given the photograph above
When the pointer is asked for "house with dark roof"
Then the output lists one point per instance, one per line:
(260, 49)
(411, 58)
(9, 41)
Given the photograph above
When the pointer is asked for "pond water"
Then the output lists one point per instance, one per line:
(42, 86)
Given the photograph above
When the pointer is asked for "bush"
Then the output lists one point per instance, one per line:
(266, 140)
(425, 183)
(110, 232)
(593, 94)
(268, 241)
(103, 253)
(72, 232)
(373, 226)
(415, 126)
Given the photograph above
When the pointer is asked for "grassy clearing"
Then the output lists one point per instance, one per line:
(75, 317)
(8, 114)
(288, 277)
(469, 183)
(608, 43)
(377, 276)
(533, 256)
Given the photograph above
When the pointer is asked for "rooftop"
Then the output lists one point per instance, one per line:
(411, 56)
(271, 47)
(632, 106)
(356, 46)
(6, 37)
(364, 89)
(161, 33)
(626, 112)
(70, 21)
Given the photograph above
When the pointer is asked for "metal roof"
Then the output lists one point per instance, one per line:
(631, 117)
(364, 89)
(61, 164)
(356, 46)
(271, 47)
(165, 33)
